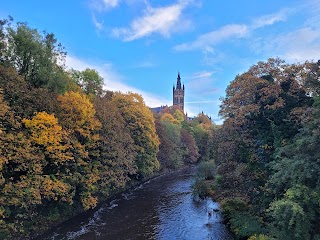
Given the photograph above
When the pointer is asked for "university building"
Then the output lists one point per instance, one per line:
(177, 96)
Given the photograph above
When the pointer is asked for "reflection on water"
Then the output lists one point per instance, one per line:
(162, 208)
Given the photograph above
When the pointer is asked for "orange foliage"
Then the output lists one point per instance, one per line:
(46, 132)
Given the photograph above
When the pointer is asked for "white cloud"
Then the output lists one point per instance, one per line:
(103, 5)
(162, 20)
(97, 24)
(231, 31)
(202, 86)
(299, 45)
(203, 74)
(113, 81)
(212, 38)
(270, 19)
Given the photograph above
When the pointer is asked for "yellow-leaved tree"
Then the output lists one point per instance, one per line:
(140, 121)
(48, 134)
(167, 117)
(78, 118)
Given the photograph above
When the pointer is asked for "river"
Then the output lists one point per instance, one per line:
(161, 208)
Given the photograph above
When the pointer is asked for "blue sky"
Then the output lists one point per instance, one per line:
(140, 45)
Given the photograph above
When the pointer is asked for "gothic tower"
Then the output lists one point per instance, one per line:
(178, 94)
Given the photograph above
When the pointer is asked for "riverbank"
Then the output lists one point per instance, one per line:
(160, 208)
(130, 186)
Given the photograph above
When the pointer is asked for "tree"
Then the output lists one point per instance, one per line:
(89, 80)
(312, 80)
(38, 58)
(140, 121)
(167, 117)
(23, 99)
(188, 143)
(178, 115)
(261, 111)
(116, 147)
(295, 172)
(49, 135)
(78, 118)
(174, 152)
(78, 115)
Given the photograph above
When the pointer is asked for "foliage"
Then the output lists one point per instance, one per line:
(140, 121)
(174, 152)
(177, 142)
(37, 57)
(207, 170)
(23, 99)
(244, 225)
(167, 117)
(89, 80)
(65, 144)
(189, 147)
(204, 184)
(116, 147)
(265, 152)
(260, 237)
(202, 128)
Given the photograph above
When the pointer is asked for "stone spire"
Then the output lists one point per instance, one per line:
(178, 81)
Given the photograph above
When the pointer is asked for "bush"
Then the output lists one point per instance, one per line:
(207, 170)
(260, 237)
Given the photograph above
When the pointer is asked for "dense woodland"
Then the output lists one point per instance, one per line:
(265, 162)
(66, 144)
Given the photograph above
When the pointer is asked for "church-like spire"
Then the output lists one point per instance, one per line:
(178, 81)
(178, 94)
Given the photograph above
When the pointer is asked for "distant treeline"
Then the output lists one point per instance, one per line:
(265, 163)
(66, 144)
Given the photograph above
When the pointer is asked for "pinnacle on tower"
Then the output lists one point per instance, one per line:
(178, 81)
(178, 94)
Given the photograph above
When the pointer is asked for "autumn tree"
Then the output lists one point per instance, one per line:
(140, 121)
(261, 111)
(116, 148)
(78, 118)
(22, 99)
(45, 132)
(189, 146)
(167, 117)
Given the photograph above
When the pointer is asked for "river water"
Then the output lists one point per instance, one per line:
(162, 208)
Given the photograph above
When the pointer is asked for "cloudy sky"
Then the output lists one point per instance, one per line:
(140, 45)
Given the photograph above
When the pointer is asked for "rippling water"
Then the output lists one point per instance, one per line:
(162, 208)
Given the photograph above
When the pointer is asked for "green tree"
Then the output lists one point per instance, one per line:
(174, 153)
(37, 57)
(295, 177)
(89, 80)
